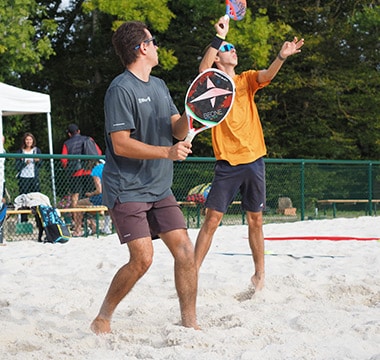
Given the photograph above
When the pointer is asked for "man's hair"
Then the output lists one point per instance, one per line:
(72, 129)
(128, 35)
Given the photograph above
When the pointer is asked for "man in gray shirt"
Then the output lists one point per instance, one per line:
(140, 123)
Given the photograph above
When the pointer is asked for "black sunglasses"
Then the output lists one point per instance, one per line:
(147, 41)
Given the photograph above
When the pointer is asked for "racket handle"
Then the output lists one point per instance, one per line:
(190, 135)
(226, 17)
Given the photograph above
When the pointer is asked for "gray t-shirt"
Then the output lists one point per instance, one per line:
(144, 108)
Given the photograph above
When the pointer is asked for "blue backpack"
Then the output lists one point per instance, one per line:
(47, 219)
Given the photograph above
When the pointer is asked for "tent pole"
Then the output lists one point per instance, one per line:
(2, 160)
(51, 160)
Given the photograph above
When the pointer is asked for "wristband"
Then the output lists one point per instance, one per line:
(216, 42)
(280, 57)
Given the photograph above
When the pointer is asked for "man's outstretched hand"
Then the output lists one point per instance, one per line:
(291, 47)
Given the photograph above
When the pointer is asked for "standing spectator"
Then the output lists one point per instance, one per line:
(28, 168)
(80, 181)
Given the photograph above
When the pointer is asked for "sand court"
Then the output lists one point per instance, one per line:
(321, 300)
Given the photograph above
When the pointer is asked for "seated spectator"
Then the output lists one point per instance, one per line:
(93, 198)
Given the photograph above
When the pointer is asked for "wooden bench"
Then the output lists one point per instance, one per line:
(97, 210)
(333, 203)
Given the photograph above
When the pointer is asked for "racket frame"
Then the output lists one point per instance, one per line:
(191, 116)
(236, 9)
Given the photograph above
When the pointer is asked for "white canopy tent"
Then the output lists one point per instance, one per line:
(15, 101)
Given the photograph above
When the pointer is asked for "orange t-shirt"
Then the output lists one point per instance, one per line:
(239, 139)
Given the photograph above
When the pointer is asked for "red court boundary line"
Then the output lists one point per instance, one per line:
(331, 238)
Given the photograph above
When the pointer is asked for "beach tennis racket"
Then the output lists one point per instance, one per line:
(235, 9)
(208, 101)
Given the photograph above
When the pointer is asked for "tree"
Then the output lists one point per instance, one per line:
(191, 31)
(78, 75)
(25, 38)
(323, 104)
(326, 106)
(25, 42)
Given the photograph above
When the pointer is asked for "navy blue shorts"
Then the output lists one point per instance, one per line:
(228, 180)
(96, 199)
(135, 220)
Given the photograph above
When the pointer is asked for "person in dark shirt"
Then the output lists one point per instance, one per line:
(140, 123)
(81, 181)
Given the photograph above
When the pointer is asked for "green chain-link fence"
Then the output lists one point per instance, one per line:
(301, 184)
(297, 185)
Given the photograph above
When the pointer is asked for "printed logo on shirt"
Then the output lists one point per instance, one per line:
(142, 100)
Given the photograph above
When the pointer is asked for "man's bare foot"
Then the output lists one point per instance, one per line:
(258, 281)
(195, 326)
(189, 321)
(100, 326)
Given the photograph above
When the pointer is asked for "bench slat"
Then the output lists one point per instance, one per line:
(334, 202)
(347, 201)
(94, 209)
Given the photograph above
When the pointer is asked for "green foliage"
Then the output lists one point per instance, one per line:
(326, 106)
(252, 37)
(324, 102)
(167, 58)
(152, 12)
(25, 38)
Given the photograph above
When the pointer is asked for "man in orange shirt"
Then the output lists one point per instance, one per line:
(239, 147)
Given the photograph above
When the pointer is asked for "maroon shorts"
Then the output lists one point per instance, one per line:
(135, 220)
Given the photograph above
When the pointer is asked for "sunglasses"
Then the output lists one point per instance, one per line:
(147, 41)
(226, 47)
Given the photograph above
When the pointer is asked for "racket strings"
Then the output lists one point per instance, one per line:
(236, 9)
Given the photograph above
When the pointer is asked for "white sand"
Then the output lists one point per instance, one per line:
(322, 306)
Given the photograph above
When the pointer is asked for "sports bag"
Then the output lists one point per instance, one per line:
(47, 218)
(199, 193)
